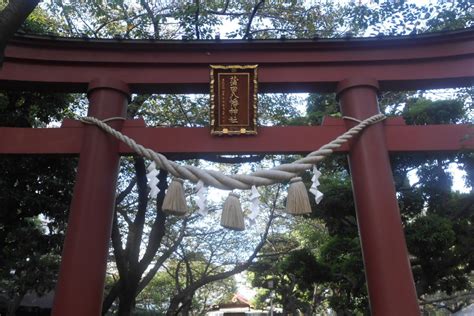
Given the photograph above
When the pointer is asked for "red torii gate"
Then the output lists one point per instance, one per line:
(109, 70)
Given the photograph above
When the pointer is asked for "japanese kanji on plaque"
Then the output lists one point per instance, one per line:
(234, 99)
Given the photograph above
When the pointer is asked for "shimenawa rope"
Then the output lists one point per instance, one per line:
(216, 179)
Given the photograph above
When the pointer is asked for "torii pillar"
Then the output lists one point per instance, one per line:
(387, 268)
(79, 291)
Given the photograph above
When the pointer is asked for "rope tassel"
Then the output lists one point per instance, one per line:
(175, 201)
(232, 215)
(297, 202)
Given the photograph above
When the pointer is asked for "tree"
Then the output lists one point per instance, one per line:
(35, 193)
(139, 225)
(11, 18)
(130, 266)
(193, 20)
(35, 190)
(36, 269)
(156, 296)
(323, 265)
(228, 262)
(293, 277)
(437, 221)
(143, 237)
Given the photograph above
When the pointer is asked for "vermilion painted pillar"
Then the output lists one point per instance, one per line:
(387, 267)
(79, 290)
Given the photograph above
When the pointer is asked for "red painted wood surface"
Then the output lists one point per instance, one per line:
(387, 268)
(291, 139)
(79, 291)
(427, 61)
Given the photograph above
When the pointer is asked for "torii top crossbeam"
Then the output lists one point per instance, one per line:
(397, 63)
(354, 68)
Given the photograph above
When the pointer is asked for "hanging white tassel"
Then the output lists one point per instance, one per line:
(153, 180)
(201, 198)
(175, 201)
(318, 195)
(254, 205)
(297, 202)
(232, 215)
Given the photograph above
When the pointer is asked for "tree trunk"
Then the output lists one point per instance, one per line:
(173, 308)
(13, 304)
(126, 303)
(129, 264)
(289, 306)
(11, 18)
(181, 306)
(110, 297)
(186, 306)
(191, 288)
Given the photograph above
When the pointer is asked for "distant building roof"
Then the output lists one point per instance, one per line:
(239, 298)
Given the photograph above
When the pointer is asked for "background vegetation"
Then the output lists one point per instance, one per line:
(169, 266)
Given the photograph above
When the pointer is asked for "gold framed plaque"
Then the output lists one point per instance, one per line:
(234, 99)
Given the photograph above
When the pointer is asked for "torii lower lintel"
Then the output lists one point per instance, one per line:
(271, 140)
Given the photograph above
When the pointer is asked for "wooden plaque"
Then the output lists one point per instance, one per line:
(234, 100)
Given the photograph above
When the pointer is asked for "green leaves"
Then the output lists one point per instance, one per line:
(421, 111)
(430, 237)
(303, 265)
(432, 240)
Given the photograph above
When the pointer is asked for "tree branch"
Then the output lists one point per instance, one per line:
(82, 19)
(274, 29)
(189, 270)
(151, 273)
(124, 214)
(185, 114)
(233, 160)
(252, 15)
(117, 246)
(196, 20)
(121, 196)
(211, 255)
(136, 230)
(155, 22)
(457, 297)
(218, 158)
(136, 268)
(231, 14)
(219, 276)
(158, 229)
(226, 6)
(11, 18)
(121, 265)
(111, 297)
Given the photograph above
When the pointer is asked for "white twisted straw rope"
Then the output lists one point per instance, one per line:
(216, 179)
